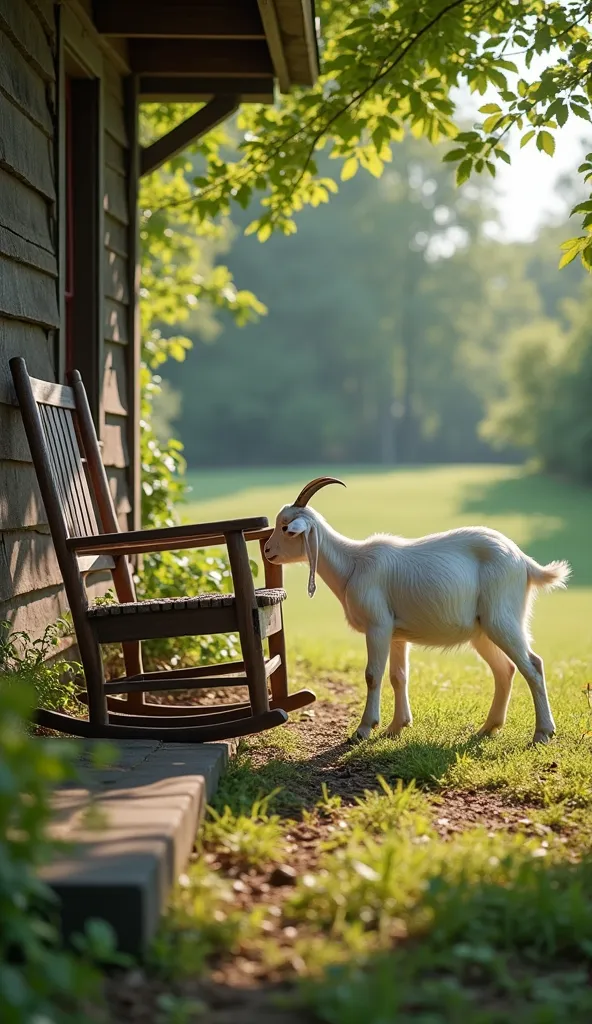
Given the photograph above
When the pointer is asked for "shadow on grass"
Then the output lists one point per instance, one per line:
(560, 514)
(347, 771)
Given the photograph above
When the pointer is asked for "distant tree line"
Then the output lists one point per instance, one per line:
(397, 332)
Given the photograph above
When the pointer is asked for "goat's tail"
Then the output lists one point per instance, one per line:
(551, 576)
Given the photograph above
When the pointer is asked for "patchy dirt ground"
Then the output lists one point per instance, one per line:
(243, 989)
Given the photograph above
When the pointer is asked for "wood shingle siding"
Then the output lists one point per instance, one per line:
(31, 593)
(31, 342)
(25, 212)
(25, 149)
(20, 501)
(116, 322)
(114, 390)
(115, 203)
(27, 294)
(21, 23)
(27, 563)
(23, 86)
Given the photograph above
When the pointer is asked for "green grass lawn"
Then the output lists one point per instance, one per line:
(436, 877)
(548, 518)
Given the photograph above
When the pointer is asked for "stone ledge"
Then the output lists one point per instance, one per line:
(130, 829)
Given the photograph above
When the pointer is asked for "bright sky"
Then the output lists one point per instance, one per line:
(527, 186)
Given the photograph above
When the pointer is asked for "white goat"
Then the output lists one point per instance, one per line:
(469, 585)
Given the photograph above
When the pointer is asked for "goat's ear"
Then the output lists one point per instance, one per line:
(297, 526)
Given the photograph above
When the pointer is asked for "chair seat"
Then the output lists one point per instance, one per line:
(265, 599)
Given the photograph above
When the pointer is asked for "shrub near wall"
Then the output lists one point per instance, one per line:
(39, 980)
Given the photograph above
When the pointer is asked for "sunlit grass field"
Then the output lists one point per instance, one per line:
(449, 876)
(548, 518)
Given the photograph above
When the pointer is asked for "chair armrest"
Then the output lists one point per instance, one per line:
(172, 538)
(250, 535)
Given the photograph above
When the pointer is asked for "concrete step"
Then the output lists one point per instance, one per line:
(130, 829)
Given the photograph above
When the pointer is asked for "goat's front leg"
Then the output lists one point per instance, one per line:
(399, 675)
(378, 641)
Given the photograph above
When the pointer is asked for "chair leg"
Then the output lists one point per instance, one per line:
(132, 656)
(278, 681)
(132, 649)
(280, 695)
(248, 622)
(254, 659)
(92, 663)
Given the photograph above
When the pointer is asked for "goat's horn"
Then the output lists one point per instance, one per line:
(312, 487)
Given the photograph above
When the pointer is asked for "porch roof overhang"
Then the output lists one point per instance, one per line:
(195, 50)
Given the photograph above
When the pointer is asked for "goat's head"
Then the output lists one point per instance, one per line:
(295, 535)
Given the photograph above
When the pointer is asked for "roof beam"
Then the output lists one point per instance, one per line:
(188, 131)
(179, 88)
(310, 36)
(275, 43)
(217, 58)
(198, 19)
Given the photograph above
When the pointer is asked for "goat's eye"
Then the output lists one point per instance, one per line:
(284, 529)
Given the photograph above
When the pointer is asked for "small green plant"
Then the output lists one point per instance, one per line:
(328, 804)
(39, 980)
(493, 925)
(201, 924)
(252, 840)
(21, 657)
(394, 808)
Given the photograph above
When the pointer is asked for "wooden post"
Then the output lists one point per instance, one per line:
(135, 342)
(88, 241)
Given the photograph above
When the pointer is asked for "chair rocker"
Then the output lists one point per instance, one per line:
(85, 532)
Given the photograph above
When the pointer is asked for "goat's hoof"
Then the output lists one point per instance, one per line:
(487, 730)
(541, 736)
(394, 731)
(358, 736)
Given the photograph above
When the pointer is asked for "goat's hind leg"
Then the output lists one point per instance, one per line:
(378, 640)
(503, 673)
(515, 645)
(399, 675)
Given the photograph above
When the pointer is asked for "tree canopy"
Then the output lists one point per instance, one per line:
(431, 357)
(391, 66)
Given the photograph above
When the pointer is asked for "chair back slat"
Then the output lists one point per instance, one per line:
(56, 470)
(68, 471)
(82, 489)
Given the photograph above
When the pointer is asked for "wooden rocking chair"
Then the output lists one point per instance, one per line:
(86, 537)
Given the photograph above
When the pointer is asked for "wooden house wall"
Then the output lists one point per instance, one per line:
(118, 317)
(31, 594)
